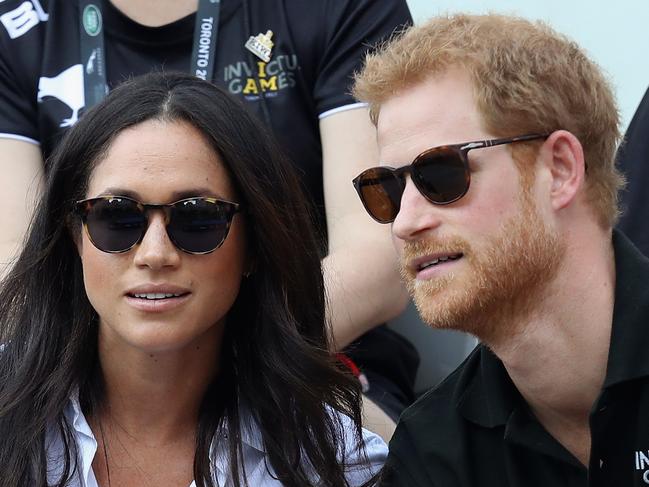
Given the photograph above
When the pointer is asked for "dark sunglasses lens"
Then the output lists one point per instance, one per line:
(441, 175)
(115, 224)
(380, 190)
(198, 225)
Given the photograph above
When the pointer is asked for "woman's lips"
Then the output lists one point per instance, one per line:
(157, 305)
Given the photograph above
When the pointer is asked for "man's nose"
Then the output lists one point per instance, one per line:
(416, 214)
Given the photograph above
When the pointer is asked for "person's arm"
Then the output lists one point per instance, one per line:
(21, 167)
(361, 272)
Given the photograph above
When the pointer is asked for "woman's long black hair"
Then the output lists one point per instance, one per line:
(275, 357)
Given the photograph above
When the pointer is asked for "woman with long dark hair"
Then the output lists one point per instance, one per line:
(165, 322)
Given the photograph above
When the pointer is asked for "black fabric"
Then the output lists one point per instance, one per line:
(390, 363)
(633, 160)
(318, 45)
(475, 429)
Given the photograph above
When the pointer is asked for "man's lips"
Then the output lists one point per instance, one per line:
(429, 261)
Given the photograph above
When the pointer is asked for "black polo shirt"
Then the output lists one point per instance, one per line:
(475, 429)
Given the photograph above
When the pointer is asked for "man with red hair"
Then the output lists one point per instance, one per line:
(497, 141)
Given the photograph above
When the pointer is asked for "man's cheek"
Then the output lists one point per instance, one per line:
(398, 245)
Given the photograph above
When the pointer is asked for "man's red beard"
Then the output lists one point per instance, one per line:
(497, 283)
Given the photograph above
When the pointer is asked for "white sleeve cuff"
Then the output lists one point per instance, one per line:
(351, 106)
(19, 137)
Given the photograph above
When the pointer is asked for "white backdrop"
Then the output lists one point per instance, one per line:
(614, 33)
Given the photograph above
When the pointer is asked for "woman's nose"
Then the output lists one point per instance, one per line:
(156, 250)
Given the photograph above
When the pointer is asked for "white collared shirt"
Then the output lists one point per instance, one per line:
(252, 451)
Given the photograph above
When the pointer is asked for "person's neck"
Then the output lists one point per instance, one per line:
(157, 396)
(558, 359)
(155, 13)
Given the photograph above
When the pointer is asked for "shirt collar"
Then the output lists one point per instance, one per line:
(628, 358)
(253, 450)
(487, 396)
(490, 399)
(86, 441)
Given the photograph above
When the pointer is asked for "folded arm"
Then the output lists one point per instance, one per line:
(21, 166)
(361, 273)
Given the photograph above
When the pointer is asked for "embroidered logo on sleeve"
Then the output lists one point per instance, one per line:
(66, 87)
(20, 20)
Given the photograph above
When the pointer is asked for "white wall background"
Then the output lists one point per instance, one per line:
(614, 33)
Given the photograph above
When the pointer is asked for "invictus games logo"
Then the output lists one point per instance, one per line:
(91, 20)
(642, 464)
(262, 78)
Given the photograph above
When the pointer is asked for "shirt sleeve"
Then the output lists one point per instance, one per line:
(361, 466)
(354, 26)
(19, 52)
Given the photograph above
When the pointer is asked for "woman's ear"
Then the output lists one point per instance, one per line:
(250, 262)
(563, 157)
(251, 266)
(74, 229)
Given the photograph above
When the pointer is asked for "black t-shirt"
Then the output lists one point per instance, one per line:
(476, 430)
(317, 47)
(633, 160)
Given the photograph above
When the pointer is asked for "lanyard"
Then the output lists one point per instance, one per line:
(91, 33)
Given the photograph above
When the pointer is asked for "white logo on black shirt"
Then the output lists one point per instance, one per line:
(66, 87)
(20, 20)
(268, 78)
(642, 464)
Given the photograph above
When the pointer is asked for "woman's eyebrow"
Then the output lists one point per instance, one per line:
(174, 196)
(198, 191)
(120, 192)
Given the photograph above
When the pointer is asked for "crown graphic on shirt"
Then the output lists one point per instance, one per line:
(261, 45)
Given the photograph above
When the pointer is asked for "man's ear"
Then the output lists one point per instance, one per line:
(563, 157)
